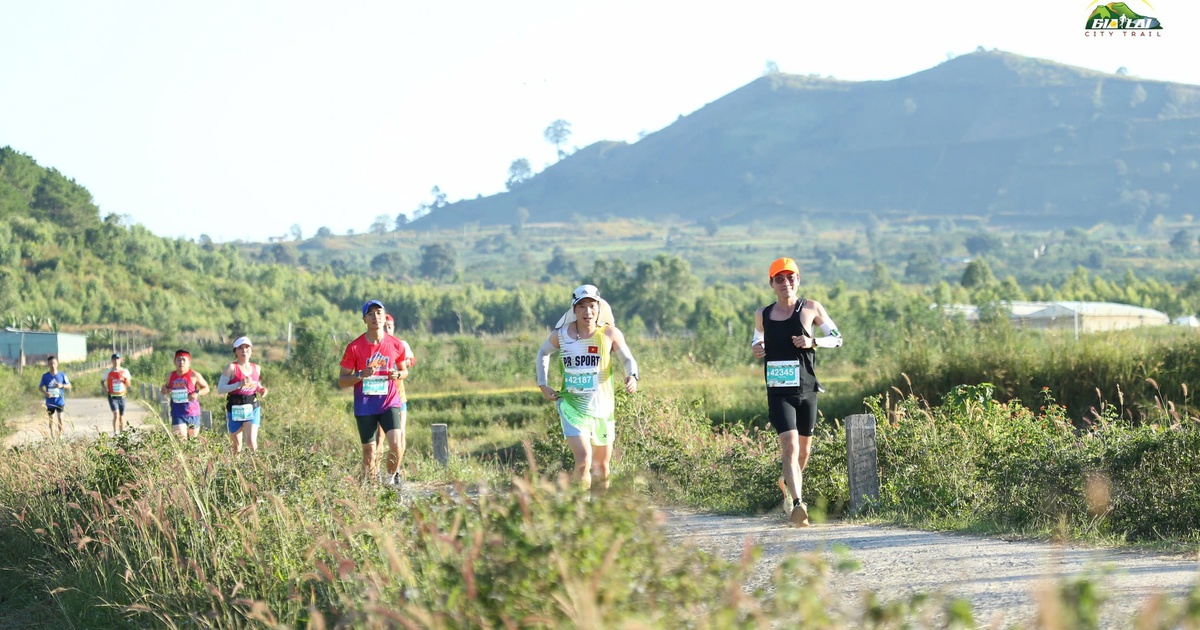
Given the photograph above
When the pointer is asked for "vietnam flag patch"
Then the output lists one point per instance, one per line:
(593, 349)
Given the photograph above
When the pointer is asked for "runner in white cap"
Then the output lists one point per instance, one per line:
(586, 339)
(241, 382)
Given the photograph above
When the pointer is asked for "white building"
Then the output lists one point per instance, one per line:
(1077, 316)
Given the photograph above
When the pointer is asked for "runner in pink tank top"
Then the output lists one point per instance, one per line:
(242, 386)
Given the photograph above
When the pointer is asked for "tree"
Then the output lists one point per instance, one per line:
(561, 265)
(922, 267)
(438, 261)
(1183, 241)
(983, 243)
(380, 225)
(439, 198)
(557, 134)
(661, 292)
(522, 216)
(284, 254)
(771, 68)
(401, 221)
(315, 357)
(324, 232)
(712, 226)
(297, 233)
(518, 172)
(389, 263)
(977, 274)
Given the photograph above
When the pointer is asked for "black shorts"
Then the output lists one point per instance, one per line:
(794, 412)
(388, 420)
(117, 403)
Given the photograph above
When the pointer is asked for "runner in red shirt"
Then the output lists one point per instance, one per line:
(116, 384)
(374, 364)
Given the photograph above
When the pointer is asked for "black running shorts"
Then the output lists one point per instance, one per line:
(793, 412)
(388, 420)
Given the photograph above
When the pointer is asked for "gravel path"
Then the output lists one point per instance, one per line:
(1000, 578)
(84, 417)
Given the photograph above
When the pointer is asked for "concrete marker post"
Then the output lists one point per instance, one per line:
(862, 460)
(441, 444)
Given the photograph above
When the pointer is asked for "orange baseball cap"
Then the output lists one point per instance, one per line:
(781, 265)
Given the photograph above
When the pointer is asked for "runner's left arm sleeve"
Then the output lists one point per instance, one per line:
(543, 362)
(832, 338)
(631, 367)
(223, 386)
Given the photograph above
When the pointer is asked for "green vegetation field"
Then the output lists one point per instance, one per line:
(982, 427)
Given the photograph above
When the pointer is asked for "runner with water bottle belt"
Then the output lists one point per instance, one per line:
(241, 382)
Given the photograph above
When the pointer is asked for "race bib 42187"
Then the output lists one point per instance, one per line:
(581, 381)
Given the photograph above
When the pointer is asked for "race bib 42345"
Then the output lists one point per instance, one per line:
(783, 373)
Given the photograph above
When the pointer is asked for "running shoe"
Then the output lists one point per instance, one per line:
(799, 517)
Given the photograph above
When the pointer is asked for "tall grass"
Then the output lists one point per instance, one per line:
(1142, 374)
(974, 463)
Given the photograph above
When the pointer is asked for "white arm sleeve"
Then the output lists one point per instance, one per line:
(757, 338)
(543, 362)
(223, 386)
(832, 338)
(631, 368)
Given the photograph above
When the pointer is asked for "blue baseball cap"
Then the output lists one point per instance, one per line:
(368, 305)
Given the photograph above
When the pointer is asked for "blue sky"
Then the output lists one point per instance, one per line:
(240, 119)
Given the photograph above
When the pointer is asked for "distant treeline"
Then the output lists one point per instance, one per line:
(61, 263)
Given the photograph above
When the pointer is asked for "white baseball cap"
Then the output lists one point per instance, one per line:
(242, 341)
(584, 292)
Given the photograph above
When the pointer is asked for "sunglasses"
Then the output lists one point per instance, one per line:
(784, 278)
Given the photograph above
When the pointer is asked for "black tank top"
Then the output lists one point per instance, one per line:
(777, 337)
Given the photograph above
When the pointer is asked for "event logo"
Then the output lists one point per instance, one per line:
(1117, 16)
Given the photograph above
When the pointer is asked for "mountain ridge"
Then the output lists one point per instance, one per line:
(991, 134)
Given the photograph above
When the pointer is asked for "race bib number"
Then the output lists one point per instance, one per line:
(783, 373)
(118, 387)
(375, 386)
(581, 381)
(53, 392)
(241, 413)
(179, 396)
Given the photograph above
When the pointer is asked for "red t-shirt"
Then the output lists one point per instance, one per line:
(115, 380)
(381, 392)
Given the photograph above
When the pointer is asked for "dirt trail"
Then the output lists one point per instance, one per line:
(1001, 579)
(84, 418)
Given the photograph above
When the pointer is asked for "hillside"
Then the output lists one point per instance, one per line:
(1010, 139)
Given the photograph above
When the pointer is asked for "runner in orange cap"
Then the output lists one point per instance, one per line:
(783, 335)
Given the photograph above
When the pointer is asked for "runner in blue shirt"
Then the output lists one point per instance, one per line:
(52, 385)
